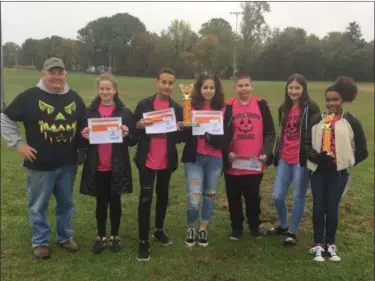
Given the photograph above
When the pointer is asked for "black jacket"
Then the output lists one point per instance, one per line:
(269, 133)
(121, 168)
(310, 109)
(147, 105)
(320, 158)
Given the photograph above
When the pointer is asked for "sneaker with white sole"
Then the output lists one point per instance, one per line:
(236, 235)
(191, 236)
(317, 253)
(144, 251)
(160, 235)
(332, 253)
(203, 238)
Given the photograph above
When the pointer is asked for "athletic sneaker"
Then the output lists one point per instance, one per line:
(143, 251)
(203, 238)
(317, 253)
(332, 253)
(290, 240)
(161, 237)
(277, 231)
(115, 244)
(191, 236)
(236, 235)
(99, 245)
(256, 233)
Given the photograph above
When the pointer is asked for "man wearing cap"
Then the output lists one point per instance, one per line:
(52, 115)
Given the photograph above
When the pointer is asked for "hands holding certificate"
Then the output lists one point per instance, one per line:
(158, 121)
(247, 163)
(108, 130)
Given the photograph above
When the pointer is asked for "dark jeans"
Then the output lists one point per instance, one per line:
(327, 188)
(147, 179)
(105, 197)
(248, 187)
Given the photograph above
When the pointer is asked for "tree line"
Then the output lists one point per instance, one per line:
(122, 44)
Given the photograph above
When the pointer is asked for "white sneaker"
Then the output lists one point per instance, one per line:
(333, 253)
(317, 253)
(190, 237)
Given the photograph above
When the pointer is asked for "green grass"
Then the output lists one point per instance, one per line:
(223, 260)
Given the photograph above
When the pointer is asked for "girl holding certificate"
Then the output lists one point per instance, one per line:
(290, 159)
(335, 143)
(106, 171)
(203, 161)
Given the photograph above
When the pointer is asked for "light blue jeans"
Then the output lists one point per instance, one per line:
(41, 185)
(201, 181)
(285, 175)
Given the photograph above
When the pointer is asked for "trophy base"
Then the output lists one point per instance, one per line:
(189, 124)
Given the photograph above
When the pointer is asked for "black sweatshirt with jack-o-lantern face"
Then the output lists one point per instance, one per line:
(53, 124)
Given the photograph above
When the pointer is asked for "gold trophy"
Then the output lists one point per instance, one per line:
(327, 132)
(187, 118)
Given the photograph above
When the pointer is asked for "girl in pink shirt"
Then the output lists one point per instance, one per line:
(106, 171)
(203, 161)
(290, 158)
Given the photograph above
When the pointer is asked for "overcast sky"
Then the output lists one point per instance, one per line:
(39, 20)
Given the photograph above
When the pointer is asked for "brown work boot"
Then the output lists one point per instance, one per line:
(69, 245)
(42, 252)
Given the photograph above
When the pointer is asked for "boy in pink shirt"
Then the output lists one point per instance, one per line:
(156, 159)
(249, 132)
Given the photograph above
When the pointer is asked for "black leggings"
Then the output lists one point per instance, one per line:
(147, 179)
(104, 196)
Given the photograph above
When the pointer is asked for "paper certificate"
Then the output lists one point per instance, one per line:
(163, 121)
(209, 121)
(105, 130)
(247, 163)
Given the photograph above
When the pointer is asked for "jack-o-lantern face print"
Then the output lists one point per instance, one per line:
(245, 125)
(291, 128)
(55, 126)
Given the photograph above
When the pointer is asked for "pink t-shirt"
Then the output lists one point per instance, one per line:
(248, 133)
(204, 148)
(291, 139)
(157, 154)
(105, 149)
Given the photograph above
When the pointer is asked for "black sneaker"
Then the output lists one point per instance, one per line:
(290, 240)
(161, 237)
(115, 244)
(190, 237)
(332, 253)
(144, 251)
(236, 235)
(317, 253)
(99, 245)
(256, 233)
(277, 231)
(203, 238)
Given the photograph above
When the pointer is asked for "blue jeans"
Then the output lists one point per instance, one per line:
(201, 181)
(41, 185)
(285, 175)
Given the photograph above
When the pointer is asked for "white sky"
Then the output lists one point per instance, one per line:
(22, 20)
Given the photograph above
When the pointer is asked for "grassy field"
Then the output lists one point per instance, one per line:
(223, 260)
